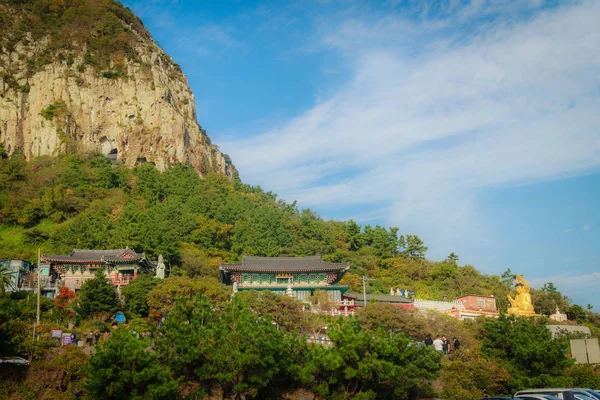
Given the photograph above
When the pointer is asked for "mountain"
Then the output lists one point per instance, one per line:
(85, 76)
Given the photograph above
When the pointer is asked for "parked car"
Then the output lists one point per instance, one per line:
(590, 392)
(503, 398)
(538, 397)
(14, 360)
(561, 393)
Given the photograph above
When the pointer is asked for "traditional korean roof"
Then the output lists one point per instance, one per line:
(284, 264)
(116, 256)
(341, 288)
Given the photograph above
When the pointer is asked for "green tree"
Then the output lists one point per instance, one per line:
(353, 239)
(232, 347)
(285, 311)
(526, 349)
(135, 295)
(5, 278)
(391, 319)
(472, 379)
(97, 295)
(162, 297)
(122, 368)
(577, 313)
(452, 259)
(413, 246)
(361, 364)
(507, 278)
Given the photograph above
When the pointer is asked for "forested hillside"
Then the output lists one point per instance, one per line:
(81, 201)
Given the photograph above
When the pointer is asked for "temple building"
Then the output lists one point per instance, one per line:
(297, 277)
(120, 266)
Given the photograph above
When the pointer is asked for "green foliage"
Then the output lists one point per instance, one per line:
(233, 348)
(113, 74)
(123, 368)
(473, 379)
(56, 109)
(162, 297)
(135, 293)
(6, 278)
(284, 311)
(97, 296)
(413, 246)
(526, 349)
(366, 365)
(107, 30)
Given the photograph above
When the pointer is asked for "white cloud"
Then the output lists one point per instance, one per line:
(571, 284)
(586, 227)
(431, 115)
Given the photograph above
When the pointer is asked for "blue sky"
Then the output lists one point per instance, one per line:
(475, 125)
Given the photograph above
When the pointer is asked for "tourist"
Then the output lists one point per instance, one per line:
(428, 341)
(455, 344)
(96, 337)
(90, 339)
(106, 334)
(445, 345)
(437, 344)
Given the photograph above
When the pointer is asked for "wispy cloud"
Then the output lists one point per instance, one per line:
(571, 284)
(432, 114)
(586, 227)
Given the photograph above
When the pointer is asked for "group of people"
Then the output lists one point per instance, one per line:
(442, 343)
(92, 338)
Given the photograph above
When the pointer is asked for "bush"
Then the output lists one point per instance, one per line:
(112, 74)
(55, 109)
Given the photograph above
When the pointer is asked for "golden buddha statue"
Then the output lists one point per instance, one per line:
(522, 303)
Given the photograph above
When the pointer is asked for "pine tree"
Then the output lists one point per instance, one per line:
(122, 368)
(97, 295)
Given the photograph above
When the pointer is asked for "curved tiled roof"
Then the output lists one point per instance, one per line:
(80, 256)
(284, 264)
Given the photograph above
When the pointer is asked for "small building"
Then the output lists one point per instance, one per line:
(438, 305)
(17, 270)
(121, 266)
(49, 281)
(479, 303)
(298, 277)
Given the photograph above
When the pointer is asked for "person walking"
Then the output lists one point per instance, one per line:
(455, 344)
(90, 339)
(438, 344)
(96, 338)
(428, 341)
(445, 345)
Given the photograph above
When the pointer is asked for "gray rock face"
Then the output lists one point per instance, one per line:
(145, 113)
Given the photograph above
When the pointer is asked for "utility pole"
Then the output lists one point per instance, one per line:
(38, 285)
(365, 279)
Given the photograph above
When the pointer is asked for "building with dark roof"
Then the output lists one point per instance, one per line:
(298, 277)
(120, 266)
(396, 300)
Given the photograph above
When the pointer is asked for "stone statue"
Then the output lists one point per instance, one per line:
(160, 268)
(522, 303)
(391, 291)
(235, 287)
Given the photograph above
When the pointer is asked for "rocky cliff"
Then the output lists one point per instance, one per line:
(85, 75)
